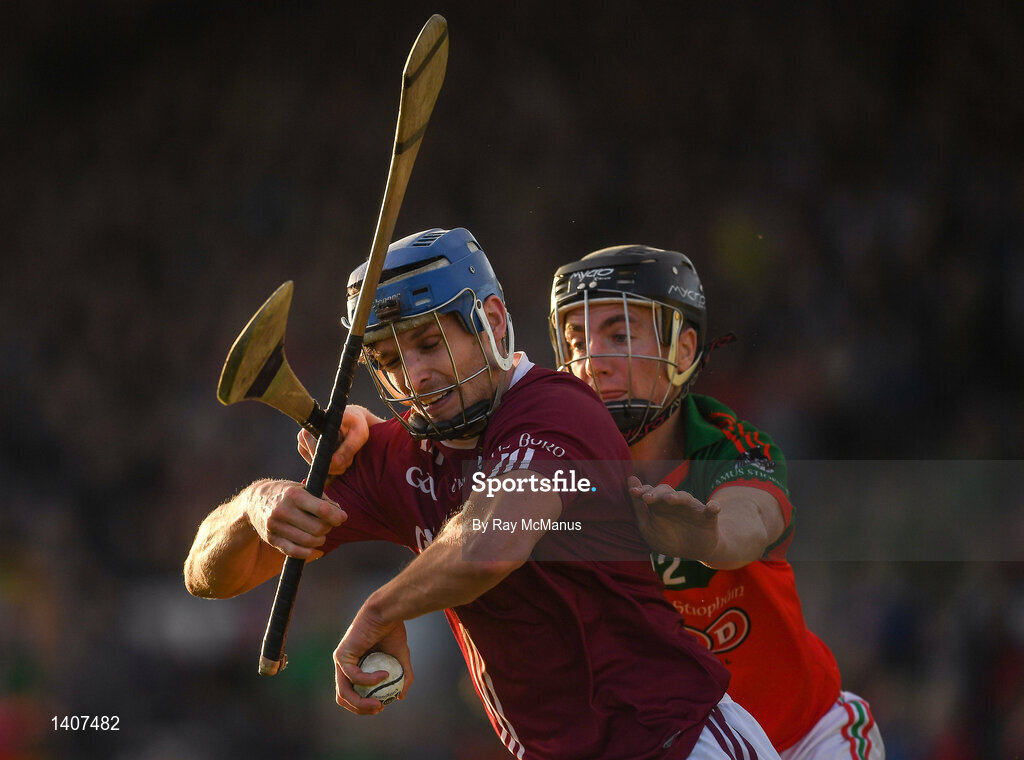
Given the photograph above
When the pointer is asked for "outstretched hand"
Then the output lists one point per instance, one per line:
(673, 522)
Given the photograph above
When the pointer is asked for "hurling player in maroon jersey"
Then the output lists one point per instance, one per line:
(508, 481)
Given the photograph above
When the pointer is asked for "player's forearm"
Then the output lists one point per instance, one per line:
(440, 578)
(736, 548)
(227, 554)
(749, 521)
(470, 555)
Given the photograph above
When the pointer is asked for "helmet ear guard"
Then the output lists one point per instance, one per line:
(676, 376)
(503, 362)
(689, 374)
(672, 324)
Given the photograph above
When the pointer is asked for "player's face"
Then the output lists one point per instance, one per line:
(429, 362)
(610, 357)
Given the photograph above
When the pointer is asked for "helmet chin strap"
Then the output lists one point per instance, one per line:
(679, 379)
(454, 429)
(625, 418)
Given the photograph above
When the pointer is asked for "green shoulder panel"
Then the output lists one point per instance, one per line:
(722, 448)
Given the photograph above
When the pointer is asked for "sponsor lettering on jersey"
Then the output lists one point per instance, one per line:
(415, 477)
(729, 628)
(424, 538)
(728, 631)
(752, 463)
(527, 440)
(510, 460)
(457, 484)
(707, 609)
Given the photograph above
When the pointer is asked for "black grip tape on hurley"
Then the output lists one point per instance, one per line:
(291, 573)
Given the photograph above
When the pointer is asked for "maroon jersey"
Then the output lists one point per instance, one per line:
(577, 658)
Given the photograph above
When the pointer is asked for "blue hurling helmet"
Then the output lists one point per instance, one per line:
(426, 275)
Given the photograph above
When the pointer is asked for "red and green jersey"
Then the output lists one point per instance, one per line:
(750, 618)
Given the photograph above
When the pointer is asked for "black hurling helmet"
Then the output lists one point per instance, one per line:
(665, 284)
(425, 275)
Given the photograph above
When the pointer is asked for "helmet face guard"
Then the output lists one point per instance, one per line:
(634, 416)
(473, 418)
(664, 288)
(427, 275)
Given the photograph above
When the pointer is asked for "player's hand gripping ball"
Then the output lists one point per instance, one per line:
(386, 691)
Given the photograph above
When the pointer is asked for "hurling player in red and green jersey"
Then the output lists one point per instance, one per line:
(711, 494)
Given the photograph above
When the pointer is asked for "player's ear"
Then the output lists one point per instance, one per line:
(686, 351)
(497, 316)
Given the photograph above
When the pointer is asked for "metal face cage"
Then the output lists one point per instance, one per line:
(635, 416)
(472, 419)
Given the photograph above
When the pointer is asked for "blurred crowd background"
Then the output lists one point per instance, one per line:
(847, 177)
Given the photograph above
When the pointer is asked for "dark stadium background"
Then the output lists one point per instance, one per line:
(849, 180)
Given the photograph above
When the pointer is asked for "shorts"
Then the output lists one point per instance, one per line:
(731, 733)
(846, 732)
